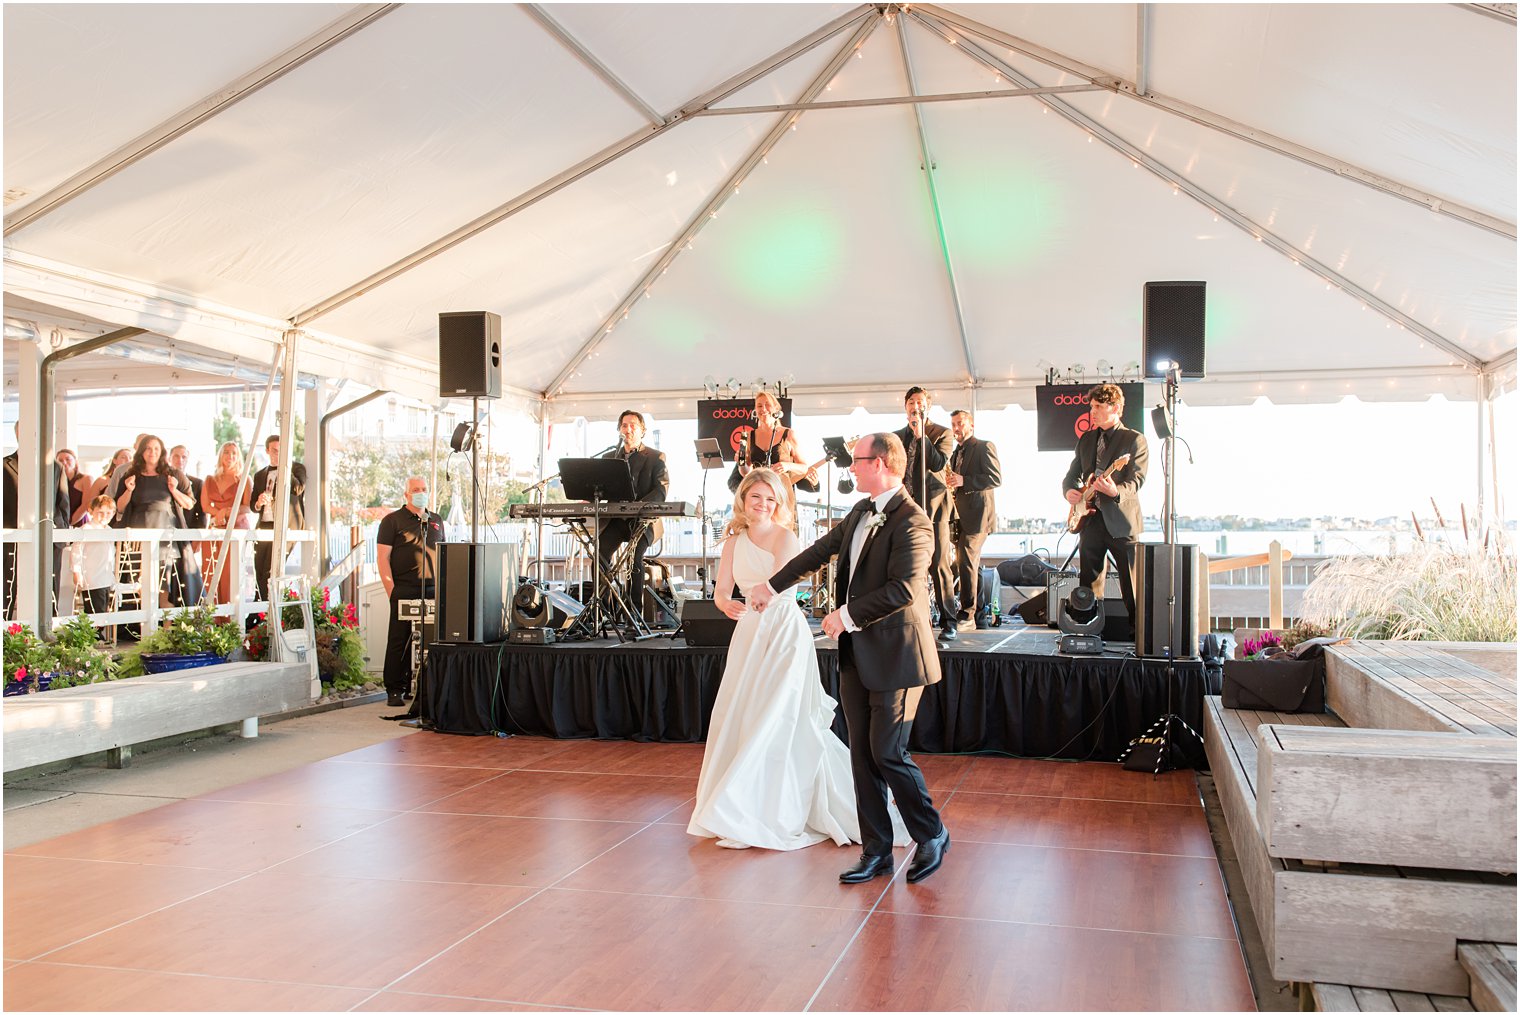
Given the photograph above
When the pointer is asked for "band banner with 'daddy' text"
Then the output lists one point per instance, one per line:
(727, 419)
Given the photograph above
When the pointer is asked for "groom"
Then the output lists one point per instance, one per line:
(886, 651)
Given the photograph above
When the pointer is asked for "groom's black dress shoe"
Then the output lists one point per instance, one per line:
(866, 868)
(929, 855)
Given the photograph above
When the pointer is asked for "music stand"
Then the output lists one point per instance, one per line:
(709, 457)
(598, 481)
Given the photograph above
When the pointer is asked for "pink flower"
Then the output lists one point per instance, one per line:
(20, 673)
(13, 629)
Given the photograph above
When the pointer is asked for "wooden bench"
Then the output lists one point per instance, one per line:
(1490, 966)
(112, 716)
(1396, 927)
(1398, 685)
(1492, 970)
(1388, 797)
(1340, 997)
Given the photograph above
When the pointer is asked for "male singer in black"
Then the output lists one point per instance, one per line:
(974, 474)
(650, 482)
(928, 446)
(1117, 521)
(406, 554)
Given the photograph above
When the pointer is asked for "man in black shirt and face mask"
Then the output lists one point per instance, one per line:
(406, 553)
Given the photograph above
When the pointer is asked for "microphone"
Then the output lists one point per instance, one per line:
(608, 451)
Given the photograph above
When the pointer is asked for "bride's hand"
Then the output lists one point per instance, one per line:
(733, 609)
(760, 595)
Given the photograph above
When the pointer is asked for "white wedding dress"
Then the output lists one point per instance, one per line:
(774, 774)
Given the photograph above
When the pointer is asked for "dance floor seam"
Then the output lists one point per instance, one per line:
(350, 884)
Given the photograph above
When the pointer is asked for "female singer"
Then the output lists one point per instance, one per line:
(773, 446)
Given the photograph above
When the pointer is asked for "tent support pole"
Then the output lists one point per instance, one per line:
(933, 191)
(563, 36)
(1182, 184)
(710, 210)
(322, 481)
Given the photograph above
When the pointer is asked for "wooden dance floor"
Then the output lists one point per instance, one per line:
(435, 872)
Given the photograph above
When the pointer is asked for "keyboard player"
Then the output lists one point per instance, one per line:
(651, 480)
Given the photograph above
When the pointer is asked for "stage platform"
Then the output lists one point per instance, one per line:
(1005, 690)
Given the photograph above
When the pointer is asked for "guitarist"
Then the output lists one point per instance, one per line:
(1116, 520)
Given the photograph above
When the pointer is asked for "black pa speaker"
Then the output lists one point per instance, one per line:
(469, 355)
(1174, 327)
(1035, 611)
(1166, 598)
(704, 624)
(470, 592)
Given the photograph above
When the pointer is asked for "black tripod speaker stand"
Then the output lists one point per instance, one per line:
(1152, 750)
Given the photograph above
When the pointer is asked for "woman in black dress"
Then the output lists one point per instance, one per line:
(154, 496)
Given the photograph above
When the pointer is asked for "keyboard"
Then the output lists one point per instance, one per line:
(615, 509)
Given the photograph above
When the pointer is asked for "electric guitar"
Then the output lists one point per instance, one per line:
(1084, 507)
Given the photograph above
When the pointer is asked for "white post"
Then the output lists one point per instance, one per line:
(250, 728)
(1484, 409)
(313, 557)
(1275, 585)
(28, 454)
(147, 581)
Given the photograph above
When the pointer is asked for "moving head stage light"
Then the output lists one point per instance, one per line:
(1081, 622)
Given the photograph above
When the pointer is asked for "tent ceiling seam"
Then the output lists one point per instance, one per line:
(585, 167)
(565, 38)
(710, 210)
(1224, 125)
(197, 113)
(1210, 201)
(928, 168)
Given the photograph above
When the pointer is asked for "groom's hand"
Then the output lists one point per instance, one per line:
(760, 596)
(833, 625)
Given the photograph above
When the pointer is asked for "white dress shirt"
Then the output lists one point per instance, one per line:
(857, 543)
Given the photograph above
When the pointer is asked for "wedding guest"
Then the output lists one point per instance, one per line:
(154, 496)
(218, 493)
(95, 563)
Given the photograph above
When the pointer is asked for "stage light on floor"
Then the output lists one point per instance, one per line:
(1080, 619)
(540, 609)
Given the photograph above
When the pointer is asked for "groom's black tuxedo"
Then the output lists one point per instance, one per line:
(884, 666)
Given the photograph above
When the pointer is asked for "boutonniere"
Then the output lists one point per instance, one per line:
(875, 522)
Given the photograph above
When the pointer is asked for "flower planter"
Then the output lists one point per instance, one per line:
(167, 662)
(30, 685)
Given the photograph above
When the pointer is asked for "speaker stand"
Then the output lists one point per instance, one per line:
(1159, 735)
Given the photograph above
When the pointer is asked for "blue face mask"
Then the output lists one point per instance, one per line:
(419, 500)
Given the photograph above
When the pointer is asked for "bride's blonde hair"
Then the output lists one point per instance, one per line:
(783, 515)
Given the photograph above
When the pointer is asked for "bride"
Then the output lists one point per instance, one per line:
(774, 774)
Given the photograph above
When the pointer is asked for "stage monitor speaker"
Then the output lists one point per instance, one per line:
(702, 623)
(1035, 611)
(471, 592)
(1174, 327)
(469, 355)
(1058, 585)
(1166, 594)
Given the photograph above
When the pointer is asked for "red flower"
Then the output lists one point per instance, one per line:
(13, 629)
(20, 674)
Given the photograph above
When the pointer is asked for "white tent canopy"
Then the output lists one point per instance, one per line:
(1342, 177)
